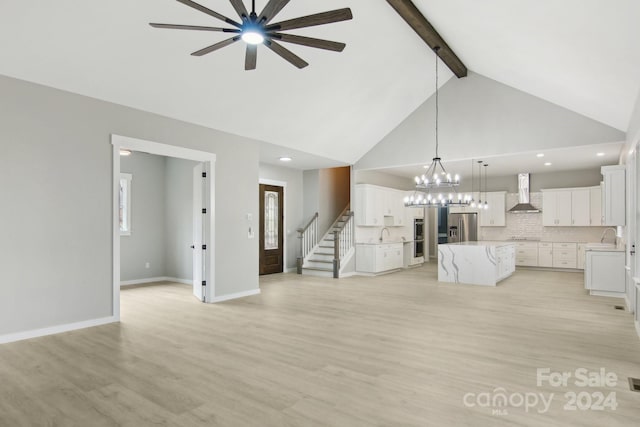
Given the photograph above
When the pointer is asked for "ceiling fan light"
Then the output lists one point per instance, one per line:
(252, 37)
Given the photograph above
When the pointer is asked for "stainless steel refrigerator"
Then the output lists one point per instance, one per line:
(463, 227)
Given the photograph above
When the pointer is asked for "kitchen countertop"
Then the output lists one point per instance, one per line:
(481, 243)
(599, 248)
(386, 242)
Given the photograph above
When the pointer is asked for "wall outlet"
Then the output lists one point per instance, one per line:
(147, 264)
(249, 217)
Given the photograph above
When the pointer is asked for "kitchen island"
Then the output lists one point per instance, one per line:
(476, 263)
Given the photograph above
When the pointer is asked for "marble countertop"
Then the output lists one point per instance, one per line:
(480, 243)
(601, 248)
(386, 242)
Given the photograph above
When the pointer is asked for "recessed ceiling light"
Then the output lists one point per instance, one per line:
(124, 152)
(540, 155)
(600, 154)
(548, 164)
(285, 159)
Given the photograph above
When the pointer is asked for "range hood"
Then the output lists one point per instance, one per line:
(523, 206)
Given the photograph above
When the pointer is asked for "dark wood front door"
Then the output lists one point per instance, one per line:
(271, 229)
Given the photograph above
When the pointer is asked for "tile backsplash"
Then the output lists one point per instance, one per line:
(529, 226)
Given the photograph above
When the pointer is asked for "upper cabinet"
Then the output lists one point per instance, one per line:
(614, 195)
(556, 208)
(580, 207)
(566, 207)
(595, 200)
(369, 205)
(495, 216)
(379, 206)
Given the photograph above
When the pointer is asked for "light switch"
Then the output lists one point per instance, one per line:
(250, 233)
(249, 217)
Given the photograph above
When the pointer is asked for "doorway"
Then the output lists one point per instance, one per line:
(271, 229)
(205, 286)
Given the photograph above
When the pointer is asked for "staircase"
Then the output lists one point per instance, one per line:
(322, 257)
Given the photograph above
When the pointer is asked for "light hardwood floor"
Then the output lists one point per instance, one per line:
(394, 350)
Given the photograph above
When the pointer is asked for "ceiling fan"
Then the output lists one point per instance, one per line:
(256, 29)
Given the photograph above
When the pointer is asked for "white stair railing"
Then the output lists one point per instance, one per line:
(308, 240)
(343, 242)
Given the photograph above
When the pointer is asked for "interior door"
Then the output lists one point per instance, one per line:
(271, 229)
(198, 232)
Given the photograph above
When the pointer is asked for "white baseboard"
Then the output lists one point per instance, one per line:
(349, 274)
(627, 303)
(154, 279)
(25, 335)
(236, 296)
(178, 280)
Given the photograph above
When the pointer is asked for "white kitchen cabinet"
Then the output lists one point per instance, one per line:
(604, 273)
(545, 254)
(556, 208)
(595, 204)
(580, 207)
(393, 207)
(526, 254)
(580, 261)
(506, 261)
(495, 216)
(614, 195)
(379, 206)
(379, 258)
(565, 255)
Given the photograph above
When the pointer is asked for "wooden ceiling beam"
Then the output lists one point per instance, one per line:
(416, 20)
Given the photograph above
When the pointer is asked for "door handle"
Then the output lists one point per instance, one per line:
(193, 246)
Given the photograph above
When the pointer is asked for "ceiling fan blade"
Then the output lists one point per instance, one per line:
(239, 6)
(271, 10)
(251, 58)
(286, 54)
(309, 41)
(194, 27)
(312, 20)
(216, 46)
(209, 12)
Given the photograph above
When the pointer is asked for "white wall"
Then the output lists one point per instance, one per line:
(178, 255)
(147, 240)
(56, 250)
(480, 117)
(294, 202)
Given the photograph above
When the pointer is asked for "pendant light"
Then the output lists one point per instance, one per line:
(430, 186)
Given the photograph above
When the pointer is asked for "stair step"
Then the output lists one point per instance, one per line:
(325, 246)
(320, 260)
(318, 269)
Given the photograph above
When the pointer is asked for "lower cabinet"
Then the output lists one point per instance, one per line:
(545, 254)
(604, 272)
(565, 255)
(527, 254)
(580, 261)
(379, 258)
(506, 257)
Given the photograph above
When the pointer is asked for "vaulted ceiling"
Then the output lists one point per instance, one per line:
(579, 54)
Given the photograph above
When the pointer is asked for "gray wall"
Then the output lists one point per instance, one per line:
(178, 255)
(480, 117)
(539, 181)
(383, 179)
(147, 240)
(293, 199)
(311, 189)
(58, 158)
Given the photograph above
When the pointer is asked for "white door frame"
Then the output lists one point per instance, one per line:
(134, 144)
(282, 184)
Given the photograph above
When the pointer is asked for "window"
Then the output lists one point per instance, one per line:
(271, 220)
(125, 204)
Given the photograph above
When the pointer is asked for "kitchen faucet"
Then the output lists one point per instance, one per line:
(382, 231)
(615, 234)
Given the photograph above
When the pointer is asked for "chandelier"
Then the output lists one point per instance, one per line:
(436, 187)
